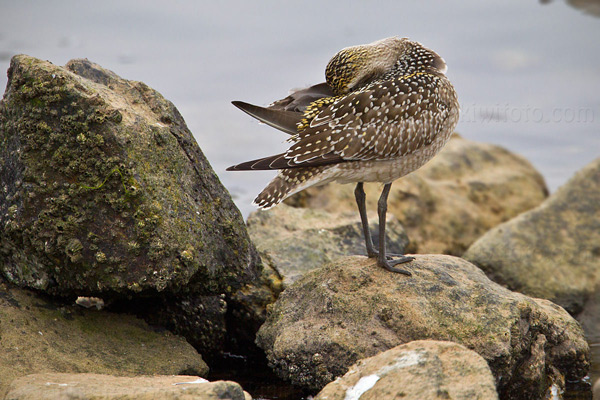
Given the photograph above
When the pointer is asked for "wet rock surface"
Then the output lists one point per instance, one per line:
(37, 335)
(552, 251)
(423, 369)
(351, 309)
(106, 387)
(446, 205)
(105, 190)
(296, 240)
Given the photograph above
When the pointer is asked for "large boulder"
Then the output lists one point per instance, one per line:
(295, 240)
(552, 251)
(106, 193)
(37, 335)
(423, 369)
(107, 387)
(351, 309)
(446, 205)
(104, 190)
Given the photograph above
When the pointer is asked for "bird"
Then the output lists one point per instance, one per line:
(384, 110)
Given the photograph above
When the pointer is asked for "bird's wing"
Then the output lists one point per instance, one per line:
(286, 121)
(300, 99)
(279, 161)
(387, 119)
(286, 114)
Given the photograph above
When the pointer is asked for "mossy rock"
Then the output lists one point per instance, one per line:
(104, 190)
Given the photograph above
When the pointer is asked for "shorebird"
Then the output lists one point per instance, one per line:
(385, 109)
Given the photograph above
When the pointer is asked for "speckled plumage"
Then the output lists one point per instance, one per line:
(385, 109)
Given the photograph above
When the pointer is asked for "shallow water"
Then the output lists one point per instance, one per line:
(527, 73)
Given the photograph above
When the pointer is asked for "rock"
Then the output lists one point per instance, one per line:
(552, 251)
(446, 205)
(423, 369)
(104, 190)
(296, 240)
(106, 387)
(351, 309)
(39, 336)
(106, 194)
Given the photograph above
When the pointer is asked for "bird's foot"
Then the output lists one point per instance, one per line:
(389, 263)
(389, 256)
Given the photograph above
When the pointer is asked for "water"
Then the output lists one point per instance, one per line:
(527, 73)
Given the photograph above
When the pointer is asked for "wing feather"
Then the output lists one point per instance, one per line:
(386, 120)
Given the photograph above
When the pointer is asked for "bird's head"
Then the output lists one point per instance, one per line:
(356, 66)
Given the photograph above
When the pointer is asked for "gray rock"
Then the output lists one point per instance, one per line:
(296, 240)
(446, 205)
(39, 336)
(552, 251)
(104, 190)
(105, 387)
(351, 309)
(423, 369)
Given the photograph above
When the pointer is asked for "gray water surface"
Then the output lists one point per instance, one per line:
(527, 73)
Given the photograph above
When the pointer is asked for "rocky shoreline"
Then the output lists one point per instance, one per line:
(107, 198)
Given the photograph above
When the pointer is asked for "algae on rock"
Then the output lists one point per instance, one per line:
(104, 190)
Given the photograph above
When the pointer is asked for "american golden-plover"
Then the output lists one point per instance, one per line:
(385, 109)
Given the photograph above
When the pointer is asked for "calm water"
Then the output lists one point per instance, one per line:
(527, 73)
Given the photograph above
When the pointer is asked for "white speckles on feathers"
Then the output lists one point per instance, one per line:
(392, 111)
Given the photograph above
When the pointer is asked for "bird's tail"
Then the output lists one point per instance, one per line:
(287, 183)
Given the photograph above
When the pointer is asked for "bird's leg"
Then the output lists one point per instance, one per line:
(382, 260)
(359, 194)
